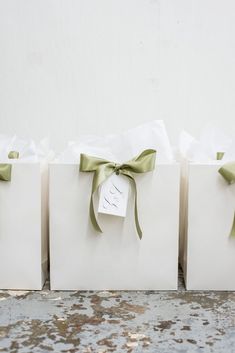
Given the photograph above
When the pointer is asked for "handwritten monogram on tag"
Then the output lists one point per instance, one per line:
(114, 196)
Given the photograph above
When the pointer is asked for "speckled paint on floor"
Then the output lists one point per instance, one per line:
(156, 322)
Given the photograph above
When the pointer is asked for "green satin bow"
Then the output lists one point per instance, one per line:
(5, 168)
(145, 162)
(228, 173)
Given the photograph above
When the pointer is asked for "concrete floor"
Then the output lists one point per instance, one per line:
(159, 322)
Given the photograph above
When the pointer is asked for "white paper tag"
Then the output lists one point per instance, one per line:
(114, 196)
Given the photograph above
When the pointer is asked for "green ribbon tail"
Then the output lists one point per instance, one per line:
(232, 232)
(137, 223)
(227, 171)
(93, 216)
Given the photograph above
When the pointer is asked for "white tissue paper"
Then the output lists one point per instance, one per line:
(204, 149)
(29, 150)
(24, 214)
(207, 205)
(122, 147)
(82, 258)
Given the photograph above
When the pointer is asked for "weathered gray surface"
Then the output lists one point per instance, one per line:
(102, 322)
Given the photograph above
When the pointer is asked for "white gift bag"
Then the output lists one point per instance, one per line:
(83, 259)
(23, 216)
(207, 252)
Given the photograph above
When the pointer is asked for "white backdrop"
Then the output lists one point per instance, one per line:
(71, 67)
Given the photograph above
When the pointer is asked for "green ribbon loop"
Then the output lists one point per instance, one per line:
(219, 155)
(5, 168)
(228, 173)
(145, 162)
(13, 155)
